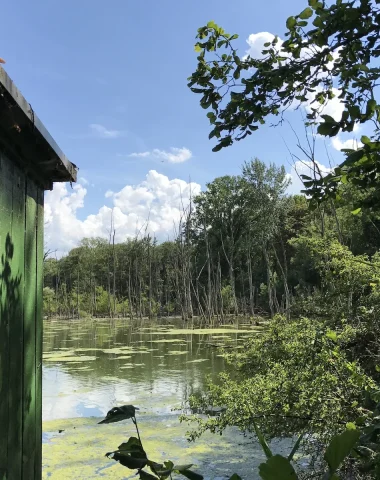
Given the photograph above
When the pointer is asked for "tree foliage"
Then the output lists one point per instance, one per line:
(331, 50)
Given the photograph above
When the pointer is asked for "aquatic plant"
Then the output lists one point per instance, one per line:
(131, 454)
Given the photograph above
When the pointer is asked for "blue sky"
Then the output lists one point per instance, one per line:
(108, 79)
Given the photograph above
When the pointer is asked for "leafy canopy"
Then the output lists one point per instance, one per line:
(331, 49)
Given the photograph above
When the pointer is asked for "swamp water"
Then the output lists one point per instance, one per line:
(91, 366)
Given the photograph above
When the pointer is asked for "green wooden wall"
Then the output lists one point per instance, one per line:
(21, 263)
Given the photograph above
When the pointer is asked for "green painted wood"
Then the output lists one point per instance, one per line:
(39, 331)
(30, 294)
(5, 283)
(21, 276)
(16, 324)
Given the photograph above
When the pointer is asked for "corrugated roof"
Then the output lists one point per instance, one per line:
(25, 137)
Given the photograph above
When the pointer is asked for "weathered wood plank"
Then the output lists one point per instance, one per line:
(39, 332)
(30, 295)
(5, 285)
(16, 317)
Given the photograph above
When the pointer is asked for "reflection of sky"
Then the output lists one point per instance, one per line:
(68, 396)
(155, 380)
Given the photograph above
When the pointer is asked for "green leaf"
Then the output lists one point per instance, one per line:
(237, 60)
(277, 468)
(305, 14)
(314, 4)
(371, 106)
(295, 448)
(117, 414)
(366, 140)
(235, 476)
(146, 476)
(332, 335)
(356, 211)
(191, 475)
(237, 73)
(128, 461)
(262, 441)
(340, 447)
(217, 147)
(211, 116)
(169, 464)
(291, 23)
(197, 47)
(326, 129)
(132, 447)
(350, 426)
(328, 119)
(318, 22)
(179, 468)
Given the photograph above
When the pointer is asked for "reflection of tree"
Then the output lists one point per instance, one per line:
(160, 377)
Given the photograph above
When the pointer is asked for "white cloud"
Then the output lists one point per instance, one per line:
(304, 168)
(140, 155)
(103, 132)
(333, 107)
(351, 143)
(174, 155)
(157, 203)
(83, 181)
(256, 44)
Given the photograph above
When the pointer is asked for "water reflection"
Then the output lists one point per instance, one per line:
(90, 366)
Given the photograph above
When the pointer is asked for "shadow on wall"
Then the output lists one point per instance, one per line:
(9, 309)
(11, 285)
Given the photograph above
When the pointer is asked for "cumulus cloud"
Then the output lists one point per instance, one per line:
(102, 132)
(304, 168)
(156, 204)
(256, 43)
(174, 155)
(333, 107)
(140, 155)
(351, 143)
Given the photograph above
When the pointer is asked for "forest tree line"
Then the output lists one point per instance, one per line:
(245, 247)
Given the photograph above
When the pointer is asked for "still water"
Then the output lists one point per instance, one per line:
(91, 366)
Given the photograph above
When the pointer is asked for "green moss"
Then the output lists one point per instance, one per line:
(198, 360)
(74, 359)
(122, 357)
(201, 331)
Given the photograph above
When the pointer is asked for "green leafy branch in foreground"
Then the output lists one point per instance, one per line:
(331, 52)
(132, 455)
(278, 467)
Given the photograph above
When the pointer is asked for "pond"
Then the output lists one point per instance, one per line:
(91, 366)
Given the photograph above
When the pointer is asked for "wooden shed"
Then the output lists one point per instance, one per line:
(30, 161)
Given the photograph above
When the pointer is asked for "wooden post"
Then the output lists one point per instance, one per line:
(21, 249)
(30, 162)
